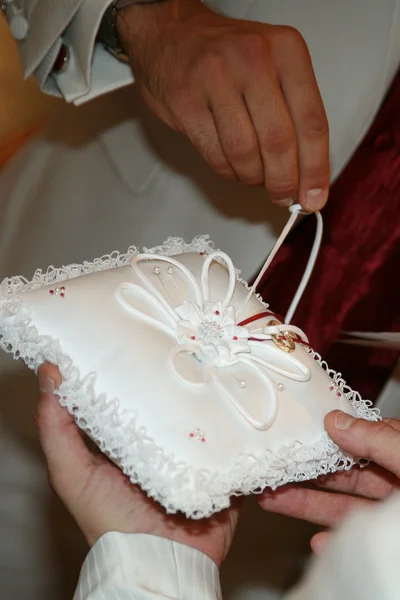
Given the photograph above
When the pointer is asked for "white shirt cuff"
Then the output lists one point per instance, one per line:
(108, 74)
(125, 566)
(92, 70)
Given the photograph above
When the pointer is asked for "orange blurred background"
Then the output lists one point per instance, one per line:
(22, 105)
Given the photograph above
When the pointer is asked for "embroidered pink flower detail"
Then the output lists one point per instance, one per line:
(58, 291)
(198, 435)
(335, 388)
(212, 331)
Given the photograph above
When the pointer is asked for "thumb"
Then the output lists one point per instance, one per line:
(64, 449)
(377, 441)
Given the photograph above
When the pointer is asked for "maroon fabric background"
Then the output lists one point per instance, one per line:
(356, 281)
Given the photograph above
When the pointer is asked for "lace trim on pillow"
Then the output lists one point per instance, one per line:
(362, 407)
(177, 486)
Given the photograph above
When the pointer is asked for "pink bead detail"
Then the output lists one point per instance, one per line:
(217, 312)
(198, 435)
(335, 388)
(58, 291)
(235, 337)
(193, 337)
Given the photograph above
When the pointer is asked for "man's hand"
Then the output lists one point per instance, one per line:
(243, 92)
(334, 496)
(101, 498)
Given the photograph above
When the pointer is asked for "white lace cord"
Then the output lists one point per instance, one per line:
(171, 261)
(151, 300)
(205, 277)
(295, 211)
(309, 268)
(272, 405)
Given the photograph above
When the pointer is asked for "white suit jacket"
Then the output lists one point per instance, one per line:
(360, 563)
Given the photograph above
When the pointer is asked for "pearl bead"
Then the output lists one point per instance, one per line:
(280, 387)
(156, 270)
(242, 383)
(171, 270)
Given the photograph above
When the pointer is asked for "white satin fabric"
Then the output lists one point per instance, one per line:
(106, 175)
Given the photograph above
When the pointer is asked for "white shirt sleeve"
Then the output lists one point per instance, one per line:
(92, 70)
(145, 567)
(48, 24)
(41, 40)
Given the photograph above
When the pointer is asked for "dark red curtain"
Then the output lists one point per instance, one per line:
(356, 282)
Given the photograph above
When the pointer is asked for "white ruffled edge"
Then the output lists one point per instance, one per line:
(177, 486)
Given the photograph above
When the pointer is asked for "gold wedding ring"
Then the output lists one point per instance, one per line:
(285, 340)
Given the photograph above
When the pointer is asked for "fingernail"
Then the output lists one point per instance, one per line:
(343, 420)
(315, 199)
(285, 202)
(47, 385)
(319, 543)
(268, 493)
